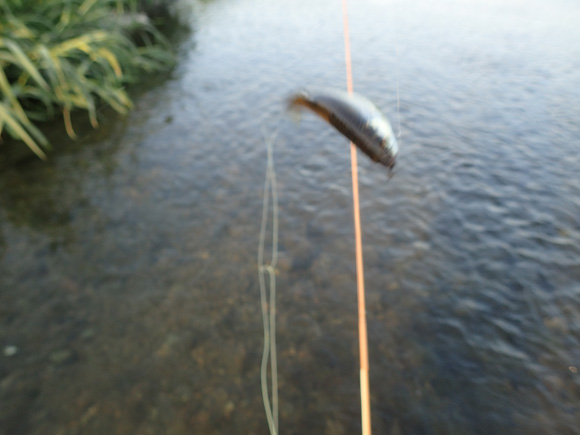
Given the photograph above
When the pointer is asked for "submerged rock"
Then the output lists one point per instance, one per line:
(61, 356)
(10, 350)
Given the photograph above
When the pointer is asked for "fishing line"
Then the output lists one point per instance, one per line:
(396, 37)
(362, 322)
(269, 305)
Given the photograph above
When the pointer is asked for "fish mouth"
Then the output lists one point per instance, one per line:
(388, 159)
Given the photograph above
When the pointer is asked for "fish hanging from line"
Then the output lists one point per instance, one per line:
(355, 117)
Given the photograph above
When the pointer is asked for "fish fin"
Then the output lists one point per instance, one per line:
(296, 115)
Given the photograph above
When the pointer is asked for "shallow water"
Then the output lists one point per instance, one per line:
(129, 298)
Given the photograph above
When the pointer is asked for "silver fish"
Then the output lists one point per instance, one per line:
(355, 117)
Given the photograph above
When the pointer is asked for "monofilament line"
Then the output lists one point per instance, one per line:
(269, 352)
(396, 32)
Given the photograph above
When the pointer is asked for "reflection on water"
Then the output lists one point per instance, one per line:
(129, 299)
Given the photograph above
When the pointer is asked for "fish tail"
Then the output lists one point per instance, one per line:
(299, 100)
(304, 100)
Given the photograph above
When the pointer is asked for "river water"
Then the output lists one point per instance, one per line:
(129, 299)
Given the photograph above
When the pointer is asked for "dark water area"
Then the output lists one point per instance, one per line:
(129, 299)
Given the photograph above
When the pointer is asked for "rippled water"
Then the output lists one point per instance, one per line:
(129, 299)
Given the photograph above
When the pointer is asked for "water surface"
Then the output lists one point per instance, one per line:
(129, 299)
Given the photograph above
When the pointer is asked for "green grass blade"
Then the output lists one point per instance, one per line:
(24, 62)
(19, 131)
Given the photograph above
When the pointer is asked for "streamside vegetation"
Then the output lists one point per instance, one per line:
(57, 56)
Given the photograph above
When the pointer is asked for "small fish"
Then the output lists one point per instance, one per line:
(355, 117)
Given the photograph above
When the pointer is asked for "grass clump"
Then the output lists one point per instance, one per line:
(62, 55)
